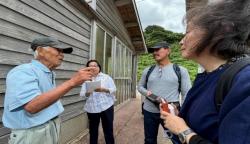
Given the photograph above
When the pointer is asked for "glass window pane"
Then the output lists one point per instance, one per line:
(127, 63)
(117, 58)
(99, 45)
(130, 64)
(122, 72)
(108, 58)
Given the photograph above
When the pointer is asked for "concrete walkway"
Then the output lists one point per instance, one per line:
(128, 125)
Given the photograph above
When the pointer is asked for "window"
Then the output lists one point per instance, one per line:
(123, 61)
(115, 59)
(103, 49)
(118, 59)
(99, 46)
(123, 70)
(108, 55)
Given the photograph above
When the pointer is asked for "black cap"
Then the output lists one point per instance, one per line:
(162, 44)
(52, 42)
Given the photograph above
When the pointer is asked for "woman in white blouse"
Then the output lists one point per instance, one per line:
(100, 104)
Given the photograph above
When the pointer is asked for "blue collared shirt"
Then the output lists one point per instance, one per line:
(100, 101)
(24, 83)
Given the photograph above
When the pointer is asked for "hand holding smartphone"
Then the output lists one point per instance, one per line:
(164, 105)
(167, 107)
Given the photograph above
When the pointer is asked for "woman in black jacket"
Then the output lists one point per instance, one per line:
(217, 36)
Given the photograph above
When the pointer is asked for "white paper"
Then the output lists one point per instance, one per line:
(92, 85)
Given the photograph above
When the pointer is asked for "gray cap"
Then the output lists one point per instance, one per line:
(50, 41)
(162, 44)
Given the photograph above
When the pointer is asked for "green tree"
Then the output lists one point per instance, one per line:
(150, 29)
(154, 34)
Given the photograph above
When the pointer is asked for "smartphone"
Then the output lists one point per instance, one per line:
(153, 97)
(164, 105)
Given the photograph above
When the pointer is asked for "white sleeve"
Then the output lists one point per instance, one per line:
(111, 85)
(83, 90)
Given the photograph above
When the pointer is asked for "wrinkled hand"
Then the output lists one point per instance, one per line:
(100, 89)
(82, 75)
(174, 123)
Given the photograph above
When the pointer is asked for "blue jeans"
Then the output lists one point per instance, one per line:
(151, 126)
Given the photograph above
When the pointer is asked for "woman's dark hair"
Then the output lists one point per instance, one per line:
(226, 25)
(95, 62)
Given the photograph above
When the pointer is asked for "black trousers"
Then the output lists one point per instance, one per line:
(152, 121)
(107, 118)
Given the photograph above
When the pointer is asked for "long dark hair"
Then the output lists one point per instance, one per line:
(226, 25)
(95, 62)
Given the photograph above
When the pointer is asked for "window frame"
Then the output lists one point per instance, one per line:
(93, 44)
(124, 52)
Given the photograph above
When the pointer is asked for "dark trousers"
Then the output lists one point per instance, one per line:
(107, 118)
(151, 126)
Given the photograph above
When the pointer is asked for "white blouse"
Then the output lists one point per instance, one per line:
(100, 101)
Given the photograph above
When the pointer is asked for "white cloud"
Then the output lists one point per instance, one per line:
(166, 13)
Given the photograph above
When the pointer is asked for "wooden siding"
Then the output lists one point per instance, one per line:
(21, 21)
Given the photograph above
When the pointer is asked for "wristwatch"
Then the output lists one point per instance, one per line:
(182, 135)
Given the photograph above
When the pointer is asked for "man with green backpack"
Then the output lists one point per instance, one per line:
(162, 80)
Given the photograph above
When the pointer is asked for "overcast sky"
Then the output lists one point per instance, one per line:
(166, 13)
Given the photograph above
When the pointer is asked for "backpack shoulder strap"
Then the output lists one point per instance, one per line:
(148, 74)
(226, 79)
(177, 71)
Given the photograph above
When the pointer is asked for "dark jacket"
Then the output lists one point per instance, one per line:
(229, 125)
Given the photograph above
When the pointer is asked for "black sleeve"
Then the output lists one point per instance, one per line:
(198, 140)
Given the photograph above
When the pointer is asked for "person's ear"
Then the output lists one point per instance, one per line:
(169, 50)
(40, 51)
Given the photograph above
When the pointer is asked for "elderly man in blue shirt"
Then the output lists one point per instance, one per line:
(32, 104)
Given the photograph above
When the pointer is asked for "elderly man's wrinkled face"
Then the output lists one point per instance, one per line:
(51, 57)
